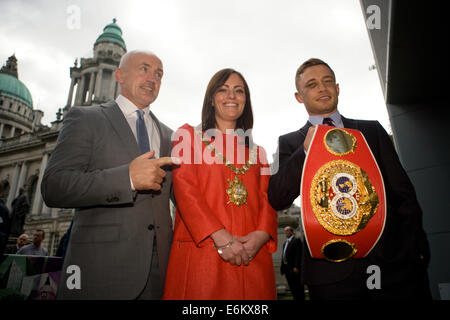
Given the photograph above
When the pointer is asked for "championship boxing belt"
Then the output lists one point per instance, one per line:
(343, 199)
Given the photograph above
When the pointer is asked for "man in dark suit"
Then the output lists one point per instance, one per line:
(402, 252)
(291, 260)
(112, 163)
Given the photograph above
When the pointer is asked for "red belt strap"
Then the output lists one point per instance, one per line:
(342, 195)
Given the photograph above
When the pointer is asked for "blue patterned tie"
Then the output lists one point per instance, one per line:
(328, 122)
(141, 132)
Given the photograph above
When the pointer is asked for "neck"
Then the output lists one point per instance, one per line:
(139, 106)
(223, 126)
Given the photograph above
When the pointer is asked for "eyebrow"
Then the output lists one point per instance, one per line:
(225, 85)
(314, 79)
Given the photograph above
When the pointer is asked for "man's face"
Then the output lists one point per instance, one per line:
(37, 238)
(318, 91)
(140, 79)
(288, 232)
(22, 240)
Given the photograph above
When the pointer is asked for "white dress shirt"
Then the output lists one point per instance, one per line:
(129, 109)
(336, 117)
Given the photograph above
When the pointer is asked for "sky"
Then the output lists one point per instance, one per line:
(265, 40)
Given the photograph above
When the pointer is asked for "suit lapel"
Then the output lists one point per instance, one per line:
(304, 130)
(122, 128)
(349, 123)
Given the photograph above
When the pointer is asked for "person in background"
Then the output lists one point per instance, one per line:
(4, 220)
(35, 248)
(291, 263)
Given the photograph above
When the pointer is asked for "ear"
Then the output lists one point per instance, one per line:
(298, 97)
(119, 75)
(337, 88)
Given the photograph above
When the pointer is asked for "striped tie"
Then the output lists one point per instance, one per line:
(328, 122)
(141, 132)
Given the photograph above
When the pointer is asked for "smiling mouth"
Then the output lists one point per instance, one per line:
(150, 89)
(230, 105)
(324, 98)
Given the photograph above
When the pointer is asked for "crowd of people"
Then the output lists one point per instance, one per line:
(119, 166)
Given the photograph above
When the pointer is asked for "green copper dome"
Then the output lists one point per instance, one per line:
(112, 33)
(12, 86)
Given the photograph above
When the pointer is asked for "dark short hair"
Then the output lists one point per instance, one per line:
(245, 121)
(310, 63)
(43, 232)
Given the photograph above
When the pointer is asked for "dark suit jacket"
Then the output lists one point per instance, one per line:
(293, 256)
(402, 249)
(113, 227)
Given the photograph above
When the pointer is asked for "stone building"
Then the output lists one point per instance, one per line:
(26, 144)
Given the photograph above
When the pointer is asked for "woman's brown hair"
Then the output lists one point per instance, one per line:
(245, 121)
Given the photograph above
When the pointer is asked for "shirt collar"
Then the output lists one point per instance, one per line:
(336, 117)
(128, 108)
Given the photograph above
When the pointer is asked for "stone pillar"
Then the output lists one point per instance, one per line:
(13, 131)
(45, 210)
(22, 176)
(79, 99)
(14, 182)
(2, 125)
(78, 82)
(98, 84)
(112, 86)
(91, 86)
(37, 204)
(69, 98)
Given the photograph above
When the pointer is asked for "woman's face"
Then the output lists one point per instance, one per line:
(229, 101)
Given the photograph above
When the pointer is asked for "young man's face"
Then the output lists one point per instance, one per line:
(318, 91)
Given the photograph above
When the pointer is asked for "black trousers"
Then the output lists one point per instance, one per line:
(355, 287)
(295, 285)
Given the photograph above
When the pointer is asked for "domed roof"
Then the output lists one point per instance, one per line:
(112, 33)
(10, 85)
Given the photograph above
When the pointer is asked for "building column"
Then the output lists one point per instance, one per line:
(45, 210)
(78, 82)
(112, 86)
(13, 131)
(79, 98)
(37, 204)
(14, 182)
(98, 84)
(2, 125)
(91, 86)
(70, 97)
(22, 176)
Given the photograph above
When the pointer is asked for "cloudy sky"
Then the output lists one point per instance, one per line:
(266, 40)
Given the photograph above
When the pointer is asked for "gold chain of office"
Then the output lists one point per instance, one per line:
(236, 191)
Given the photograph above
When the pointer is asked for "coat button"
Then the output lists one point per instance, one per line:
(151, 227)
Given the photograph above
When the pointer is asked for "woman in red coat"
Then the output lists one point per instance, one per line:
(225, 229)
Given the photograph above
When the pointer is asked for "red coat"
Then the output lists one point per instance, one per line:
(196, 271)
